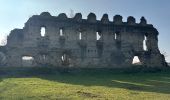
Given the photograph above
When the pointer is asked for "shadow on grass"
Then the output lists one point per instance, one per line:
(158, 81)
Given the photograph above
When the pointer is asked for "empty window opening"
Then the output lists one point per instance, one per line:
(98, 36)
(61, 32)
(136, 61)
(144, 44)
(80, 36)
(27, 61)
(115, 36)
(43, 31)
(65, 59)
(27, 58)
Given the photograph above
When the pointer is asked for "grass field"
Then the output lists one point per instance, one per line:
(49, 84)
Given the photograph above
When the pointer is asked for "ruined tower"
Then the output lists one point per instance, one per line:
(59, 41)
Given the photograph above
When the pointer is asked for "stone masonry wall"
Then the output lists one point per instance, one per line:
(72, 42)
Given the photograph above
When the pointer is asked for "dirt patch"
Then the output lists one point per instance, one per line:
(87, 94)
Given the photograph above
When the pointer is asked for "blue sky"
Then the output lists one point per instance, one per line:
(14, 13)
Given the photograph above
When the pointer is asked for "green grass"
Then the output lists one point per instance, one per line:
(50, 84)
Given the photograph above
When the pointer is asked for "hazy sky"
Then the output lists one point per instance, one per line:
(14, 13)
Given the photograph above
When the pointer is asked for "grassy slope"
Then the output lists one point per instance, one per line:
(48, 84)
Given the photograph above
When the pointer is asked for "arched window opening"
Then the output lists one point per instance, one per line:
(43, 31)
(98, 36)
(61, 32)
(27, 61)
(80, 36)
(65, 59)
(144, 44)
(136, 61)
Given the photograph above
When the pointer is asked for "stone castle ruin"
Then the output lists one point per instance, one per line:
(59, 41)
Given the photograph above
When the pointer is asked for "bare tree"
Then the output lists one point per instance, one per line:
(3, 41)
(165, 54)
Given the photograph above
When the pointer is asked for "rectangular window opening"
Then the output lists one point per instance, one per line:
(61, 32)
(43, 31)
(144, 44)
(80, 35)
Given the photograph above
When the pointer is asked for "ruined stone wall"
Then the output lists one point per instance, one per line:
(72, 42)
